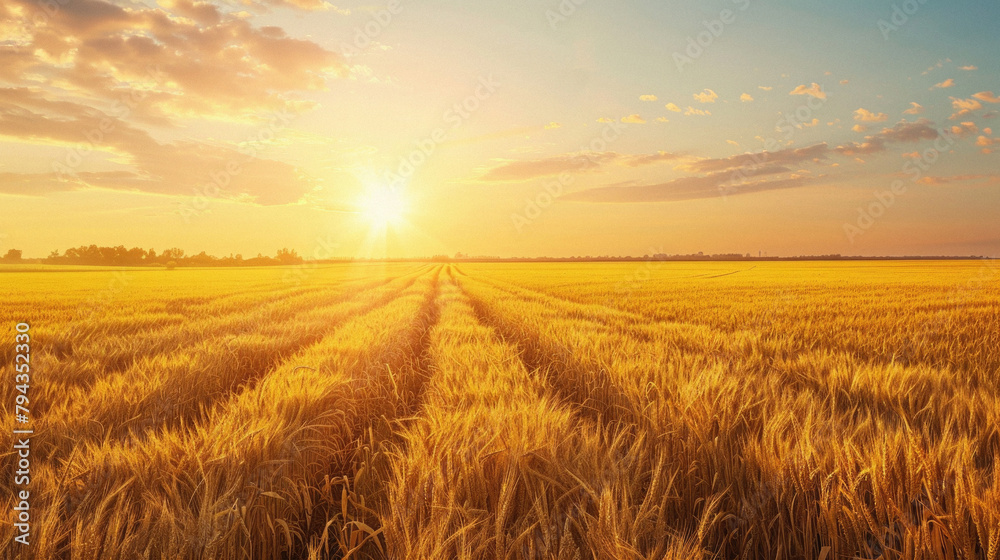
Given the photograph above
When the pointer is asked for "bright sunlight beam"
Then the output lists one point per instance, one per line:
(383, 207)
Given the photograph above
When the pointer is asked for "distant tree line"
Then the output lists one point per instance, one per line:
(136, 256)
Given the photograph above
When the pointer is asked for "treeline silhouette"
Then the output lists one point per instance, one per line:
(173, 257)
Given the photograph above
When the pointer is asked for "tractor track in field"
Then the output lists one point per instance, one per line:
(119, 362)
(379, 437)
(730, 356)
(779, 366)
(171, 411)
(537, 362)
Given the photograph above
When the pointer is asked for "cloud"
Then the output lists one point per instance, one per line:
(673, 107)
(864, 115)
(968, 68)
(189, 58)
(529, 169)
(902, 132)
(707, 96)
(692, 111)
(746, 98)
(691, 188)
(873, 146)
(915, 109)
(814, 90)
(963, 107)
(569, 163)
(844, 82)
(905, 131)
(647, 98)
(312, 5)
(965, 129)
(945, 84)
(633, 119)
(605, 120)
(552, 125)
(765, 88)
(648, 159)
(154, 167)
(662, 119)
(944, 180)
(986, 96)
(939, 64)
(859, 128)
(812, 123)
(787, 156)
(733, 142)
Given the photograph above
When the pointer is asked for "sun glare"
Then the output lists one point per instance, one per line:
(384, 207)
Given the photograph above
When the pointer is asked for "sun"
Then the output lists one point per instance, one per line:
(383, 207)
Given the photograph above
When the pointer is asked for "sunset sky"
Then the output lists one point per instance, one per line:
(514, 128)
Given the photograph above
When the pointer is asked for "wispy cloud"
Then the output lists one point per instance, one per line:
(523, 170)
(963, 107)
(903, 131)
(707, 96)
(156, 167)
(986, 96)
(814, 90)
(788, 156)
(864, 115)
(209, 63)
(691, 188)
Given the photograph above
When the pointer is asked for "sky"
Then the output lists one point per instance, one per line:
(412, 128)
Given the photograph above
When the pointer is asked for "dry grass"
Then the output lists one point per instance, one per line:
(613, 411)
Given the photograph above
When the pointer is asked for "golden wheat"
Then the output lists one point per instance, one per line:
(563, 411)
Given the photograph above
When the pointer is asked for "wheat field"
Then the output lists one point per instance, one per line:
(638, 410)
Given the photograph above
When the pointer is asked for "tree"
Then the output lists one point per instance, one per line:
(171, 254)
(288, 257)
(13, 255)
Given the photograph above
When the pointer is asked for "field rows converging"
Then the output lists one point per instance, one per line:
(156, 389)
(744, 420)
(495, 466)
(156, 392)
(439, 411)
(105, 346)
(938, 323)
(252, 459)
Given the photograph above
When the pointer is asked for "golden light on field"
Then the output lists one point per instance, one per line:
(645, 280)
(668, 410)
